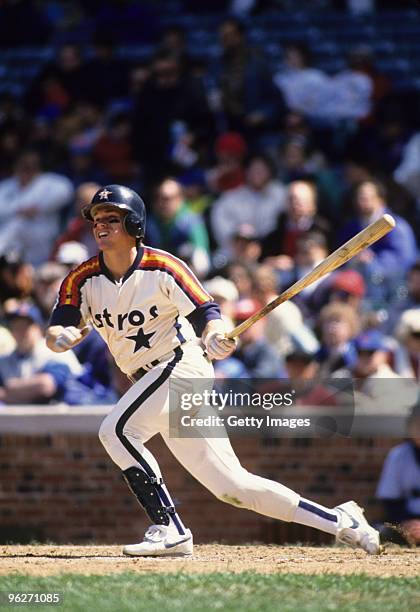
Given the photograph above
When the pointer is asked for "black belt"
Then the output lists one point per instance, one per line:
(142, 371)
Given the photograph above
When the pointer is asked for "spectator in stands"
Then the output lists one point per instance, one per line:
(361, 58)
(79, 230)
(172, 226)
(349, 94)
(113, 151)
(408, 171)
(249, 100)
(259, 358)
(311, 389)
(139, 75)
(106, 74)
(167, 97)
(85, 125)
(71, 254)
(7, 342)
(30, 205)
(47, 282)
(284, 328)
(257, 203)
(174, 41)
(41, 137)
(16, 276)
(407, 358)
(226, 295)
(311, 250)
(245, 246)
(339, 326)
(297, 161)
(343, 287)
(378, 388)
(242, 275)
(196, 195)
(408, 298)
(230, 149)
(308, 90)
(303, 86)
(10, 145)
(33, 374)
(301, 366)
(300, 216)
(80, 167)
(59, 84)
(390, 257)
(399, 485)
(373, 350)
(347, 286)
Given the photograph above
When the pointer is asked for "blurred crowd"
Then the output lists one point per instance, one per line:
(251, 176)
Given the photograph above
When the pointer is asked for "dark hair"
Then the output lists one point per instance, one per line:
(317, 238)
(415, 267)
(235, 22)
(174, 29)
(163, 54)
(379, 187)
(414, 414)
(304, 51)
(266, 159)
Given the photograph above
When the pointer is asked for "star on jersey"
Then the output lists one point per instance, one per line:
(141, 339)
(104, 194)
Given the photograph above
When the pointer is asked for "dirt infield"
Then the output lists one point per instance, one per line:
(43, 560)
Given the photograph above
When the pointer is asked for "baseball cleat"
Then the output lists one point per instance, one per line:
(354, 530)
(162, 541)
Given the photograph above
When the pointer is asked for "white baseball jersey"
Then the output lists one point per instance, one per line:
(142, 317)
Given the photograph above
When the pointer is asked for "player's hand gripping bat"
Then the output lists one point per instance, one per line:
(352, 247)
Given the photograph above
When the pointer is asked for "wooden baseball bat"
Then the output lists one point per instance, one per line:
(340, 256)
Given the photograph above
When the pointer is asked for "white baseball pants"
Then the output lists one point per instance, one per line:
(144, 411)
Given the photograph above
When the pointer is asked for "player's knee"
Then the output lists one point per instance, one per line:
(233, 492)
(107, 432)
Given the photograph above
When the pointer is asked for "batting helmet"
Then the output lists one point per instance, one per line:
(126, 199)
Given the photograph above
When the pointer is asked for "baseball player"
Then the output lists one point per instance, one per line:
(150, 308)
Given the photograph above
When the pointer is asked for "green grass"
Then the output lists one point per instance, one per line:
(248, 592)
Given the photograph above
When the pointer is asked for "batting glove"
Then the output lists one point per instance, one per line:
(66, 339)
(215, 342)
(218, 346)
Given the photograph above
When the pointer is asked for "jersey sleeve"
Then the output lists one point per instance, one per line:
(186, 293)
(178, 282)
(71, 307)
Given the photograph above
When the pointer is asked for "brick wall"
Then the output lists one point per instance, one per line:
(62, 487)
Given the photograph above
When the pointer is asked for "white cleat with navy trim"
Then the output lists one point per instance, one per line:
(162, 541)
(354, 530)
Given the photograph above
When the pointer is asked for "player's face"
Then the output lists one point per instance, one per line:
(108, 228)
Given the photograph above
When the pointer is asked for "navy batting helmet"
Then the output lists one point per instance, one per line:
(126, 199)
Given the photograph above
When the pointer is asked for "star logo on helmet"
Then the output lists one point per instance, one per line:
(104, 194)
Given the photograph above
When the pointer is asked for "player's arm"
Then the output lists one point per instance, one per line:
(67, 326)
(207, 322)
(198, 306)
(60, 338)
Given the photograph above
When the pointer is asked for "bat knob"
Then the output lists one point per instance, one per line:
(389, 220)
